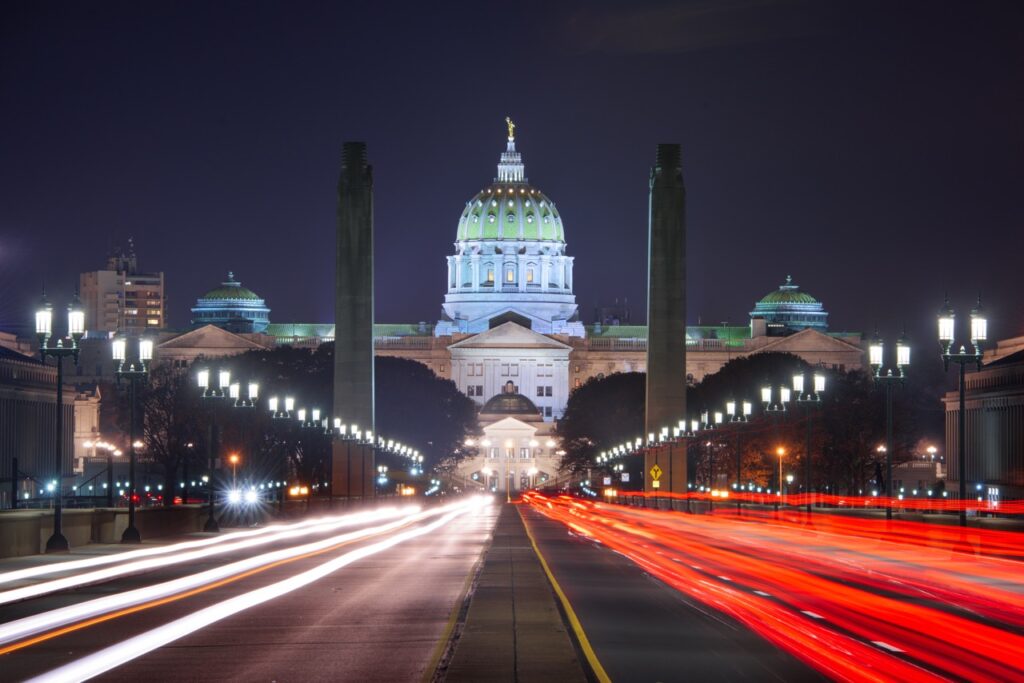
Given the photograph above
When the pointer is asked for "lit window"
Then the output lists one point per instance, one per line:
(529, 274)
(491, 218)
(490, 276)
(510, 276)
(510, 204)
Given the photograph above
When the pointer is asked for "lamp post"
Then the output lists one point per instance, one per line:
(134, 371)
(63, 347)
(781, 452)
(890, 379)
(739, 419)
(279, 416)
(809, 401)
(776, 410)
(213, 396)
(963, 358)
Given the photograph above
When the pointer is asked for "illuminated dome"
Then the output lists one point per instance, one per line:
(511, 211)
(232, 307)
(510, 260)
(787, 310)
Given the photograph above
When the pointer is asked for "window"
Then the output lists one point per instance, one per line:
(540, 390)
(494, 452)
(475, 390)
(510, 275)
(529, 275)
(480, 369)
(515, 369)
(547, 411)
(470, 369)
(547, 390)
(510, 453)
(490, 275)
(504, 369)
(524, 453)
(576, 383)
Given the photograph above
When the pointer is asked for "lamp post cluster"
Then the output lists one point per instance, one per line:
(59, 348)
(963, 358)
(890, 378)
(134, 370)
(216, 395)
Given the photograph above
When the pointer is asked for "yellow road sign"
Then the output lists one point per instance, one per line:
(655, 472)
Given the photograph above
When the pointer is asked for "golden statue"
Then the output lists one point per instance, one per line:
(511, 128)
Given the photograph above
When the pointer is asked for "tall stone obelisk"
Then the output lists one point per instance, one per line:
(666, 318)
(352, 465)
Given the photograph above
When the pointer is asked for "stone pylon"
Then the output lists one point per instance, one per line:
(352, 464)
(666, 318)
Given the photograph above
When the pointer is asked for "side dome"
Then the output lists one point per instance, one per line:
(232, 307)
(511, 211)
(788, 310)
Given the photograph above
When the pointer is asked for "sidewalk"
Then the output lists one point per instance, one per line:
(514, 630)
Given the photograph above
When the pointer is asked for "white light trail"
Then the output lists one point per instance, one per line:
(72, 565)
(37, 623)
(279, 534)
(116, 655)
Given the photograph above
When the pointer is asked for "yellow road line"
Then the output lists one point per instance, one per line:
(439, 650)
(574, 622)
(173, 598)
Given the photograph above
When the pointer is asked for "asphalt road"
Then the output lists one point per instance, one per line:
(856, 599)
(643, 630)
(381, 617)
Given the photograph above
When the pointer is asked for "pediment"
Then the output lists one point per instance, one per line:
(808, 339)
(510, 424)
(510, 336)
(209, 337)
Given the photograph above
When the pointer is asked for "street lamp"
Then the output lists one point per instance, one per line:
(781, 452)
(891, 379)
(213, 395)
(739, 419)
(62, 348)
(809, 401)
(133, 370)
(963, 358)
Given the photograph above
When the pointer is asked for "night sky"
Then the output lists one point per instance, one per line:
(875, 151)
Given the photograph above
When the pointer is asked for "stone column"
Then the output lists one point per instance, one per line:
(353, 321)
(666, 306)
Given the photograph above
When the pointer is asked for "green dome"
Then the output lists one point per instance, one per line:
(510, 211)
(232, 289)
(788, 294)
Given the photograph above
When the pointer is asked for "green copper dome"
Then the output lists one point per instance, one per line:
(788, 309)
(510, 211)
(232, 289)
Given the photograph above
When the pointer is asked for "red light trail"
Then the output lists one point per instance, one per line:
(858, 599)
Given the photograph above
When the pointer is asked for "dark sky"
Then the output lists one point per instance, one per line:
(873, 150)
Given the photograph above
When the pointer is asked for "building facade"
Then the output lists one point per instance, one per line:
(994, 402)
(122, 299)
(509, 313)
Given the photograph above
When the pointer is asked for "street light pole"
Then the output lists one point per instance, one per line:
(963, 358)
(213, 396)
(64, 347)
(739, 420)
(890, 378)
(776, 410)
(133, 373)
(809, 401)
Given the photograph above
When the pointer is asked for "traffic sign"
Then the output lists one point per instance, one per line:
(656, 472)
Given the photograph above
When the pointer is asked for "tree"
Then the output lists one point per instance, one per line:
(601, 414)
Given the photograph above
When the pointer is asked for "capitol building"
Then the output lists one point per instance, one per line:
(510, 327)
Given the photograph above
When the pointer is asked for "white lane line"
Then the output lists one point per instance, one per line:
(116, 655)
(813, 615)
(763, 594)
(142, 565)
(887, 646)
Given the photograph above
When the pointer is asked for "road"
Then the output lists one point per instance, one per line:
(785, 597)
(346, 598)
